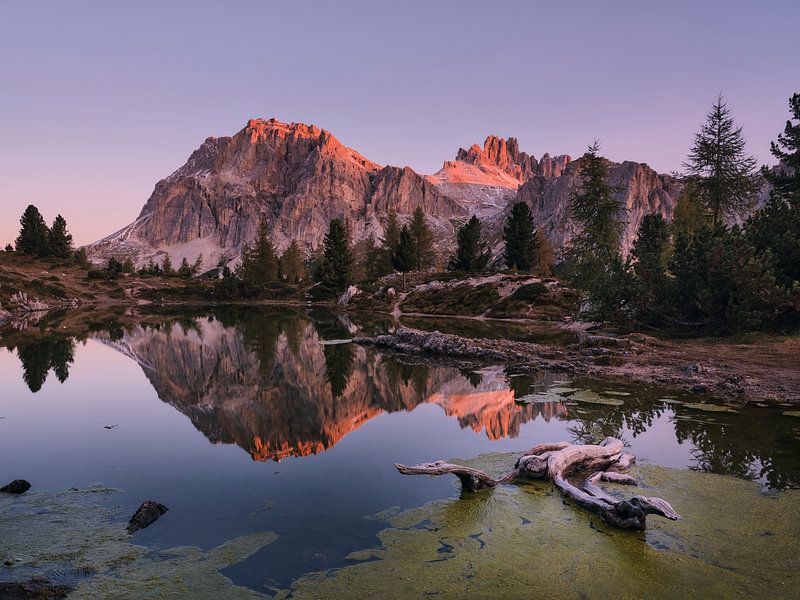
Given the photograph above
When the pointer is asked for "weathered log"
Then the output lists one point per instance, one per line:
(560, 462)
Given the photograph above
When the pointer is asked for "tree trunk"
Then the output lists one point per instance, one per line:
(561, 463)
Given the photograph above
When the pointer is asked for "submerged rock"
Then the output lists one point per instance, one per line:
(33, 590)
(18, 486)
(147, 514)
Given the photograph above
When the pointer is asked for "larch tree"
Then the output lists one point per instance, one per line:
(259, 262)
(291, 264)
(718, 169)
(519, 236)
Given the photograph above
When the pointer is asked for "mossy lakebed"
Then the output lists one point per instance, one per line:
(512, 542)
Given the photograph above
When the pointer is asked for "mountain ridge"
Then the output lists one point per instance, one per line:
(298, 177)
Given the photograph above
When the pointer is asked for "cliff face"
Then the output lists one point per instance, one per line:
(286, 394)
(299, 177)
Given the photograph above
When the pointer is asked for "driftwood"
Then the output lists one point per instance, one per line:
(576, 470)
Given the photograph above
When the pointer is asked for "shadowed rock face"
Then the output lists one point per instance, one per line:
(299, 177)
(273, 389)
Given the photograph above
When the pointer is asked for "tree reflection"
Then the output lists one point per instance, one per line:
(39, 356)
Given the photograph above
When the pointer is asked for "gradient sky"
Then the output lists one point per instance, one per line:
(99, 101)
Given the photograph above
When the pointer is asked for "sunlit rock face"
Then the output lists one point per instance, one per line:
(298, 177)
(275, 390)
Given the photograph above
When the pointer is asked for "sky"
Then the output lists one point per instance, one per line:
(100, 100)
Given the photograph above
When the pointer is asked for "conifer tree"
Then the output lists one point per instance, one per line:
(519, 235)
(775, 228)
(127, 266)
(259, 263)
(374, 260)
(594, 258)
(404, 258)
(690, 215)
(166, 267)
(59, 239)
(9, 248)
(649, 253)
(718, 168)
(185, 270)
(785, 180)
(33, 234)
(391, 237)
(292, 268)
(471, 253)
(335, 269)
(423, 240)
(598, 213)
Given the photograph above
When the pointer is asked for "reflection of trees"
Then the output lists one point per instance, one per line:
(594, 422)
(40, 356)
(400, 373)
(756, 446)
(338, 357)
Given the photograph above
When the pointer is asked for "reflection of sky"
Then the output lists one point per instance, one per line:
(56, 439)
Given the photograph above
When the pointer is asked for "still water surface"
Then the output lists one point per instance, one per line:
(259, 420)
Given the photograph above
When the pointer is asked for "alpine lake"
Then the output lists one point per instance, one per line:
(272, 439)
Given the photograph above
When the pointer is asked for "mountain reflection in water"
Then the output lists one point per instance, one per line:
(280, 383)
(273, 388)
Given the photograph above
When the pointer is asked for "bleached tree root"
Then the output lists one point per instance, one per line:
(565, 464)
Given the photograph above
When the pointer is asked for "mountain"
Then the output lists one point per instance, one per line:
(298, 177)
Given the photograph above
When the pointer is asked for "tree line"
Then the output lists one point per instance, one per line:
(698, 273)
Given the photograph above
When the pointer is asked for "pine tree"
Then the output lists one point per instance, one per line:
(404, 258)
(335, 269)
(60, 239)
(259, 263)
(127, 266)
(785, 180)
(185, 270)
(519, 235)
(471, 253)
(291, 264)
(391, 237)
(594, 258)
(166, 267)
(33, 234)
(649, 253)
(9, 248)
(775, 228)
(598, 213)
(423, 240)
(718, 168)
(375, 265)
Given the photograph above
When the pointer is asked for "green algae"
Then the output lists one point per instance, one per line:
(525, 542)
(590, 397)
(711, 407)
(53, 534)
